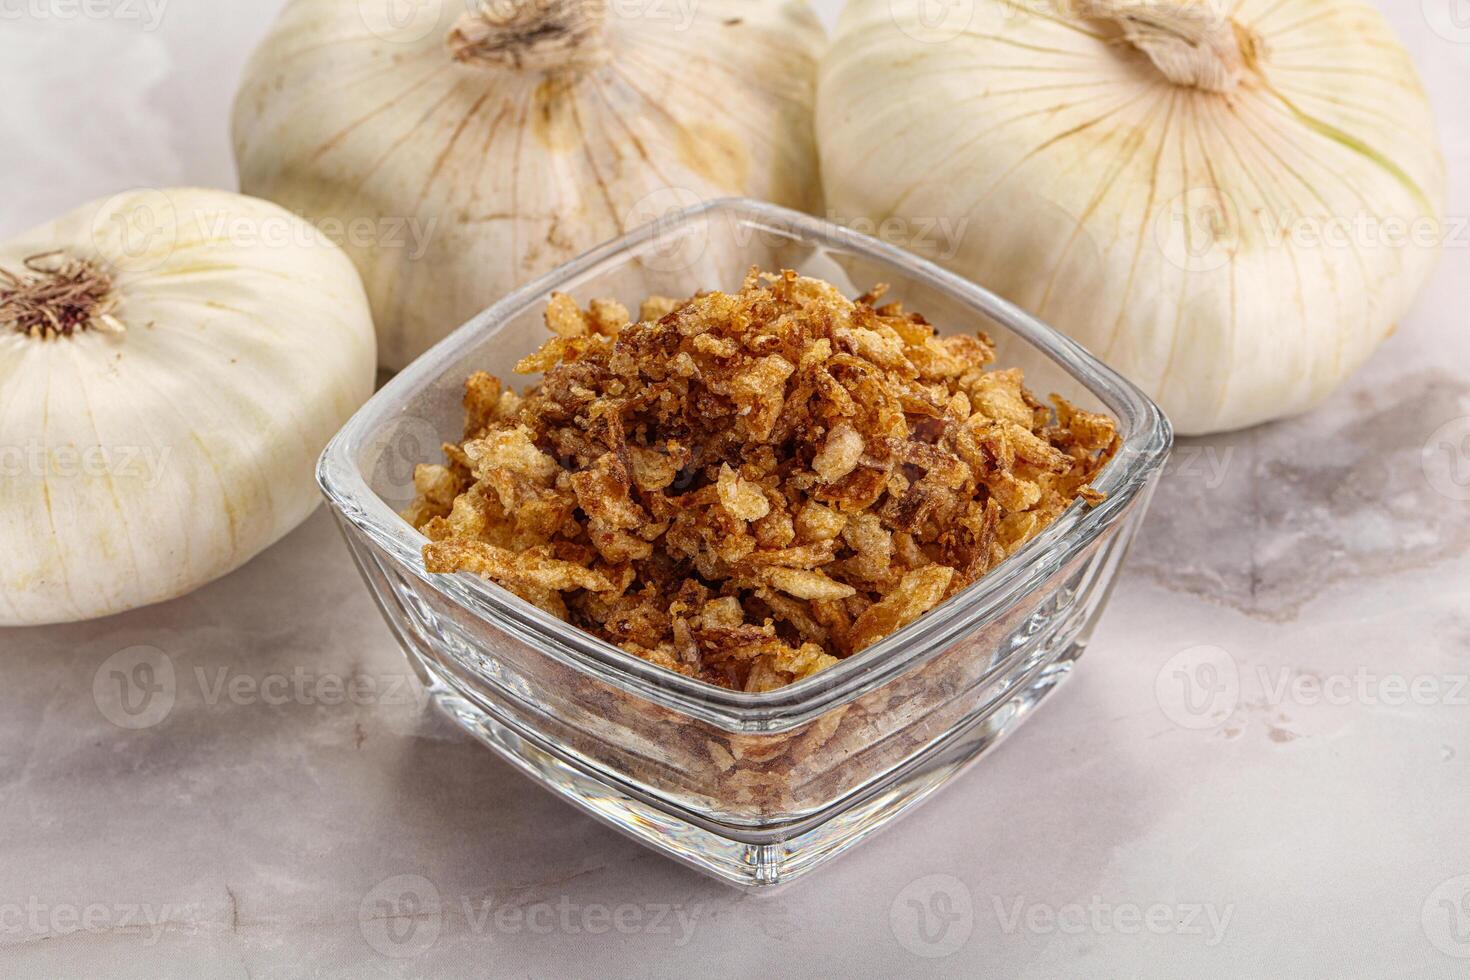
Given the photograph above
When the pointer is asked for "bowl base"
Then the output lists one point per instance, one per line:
(720, 852)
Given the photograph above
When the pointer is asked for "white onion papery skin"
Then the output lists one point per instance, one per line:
(1168, 228)
(136, 467)
(470, 179)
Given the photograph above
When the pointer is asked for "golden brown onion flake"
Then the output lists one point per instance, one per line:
(746, 488)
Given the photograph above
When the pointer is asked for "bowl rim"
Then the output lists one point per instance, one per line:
(1130, 473)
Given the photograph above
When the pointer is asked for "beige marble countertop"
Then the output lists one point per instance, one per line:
(1302, 814)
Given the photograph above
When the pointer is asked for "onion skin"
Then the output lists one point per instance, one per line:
(143, 461)
(481, 150)
(1232, 245)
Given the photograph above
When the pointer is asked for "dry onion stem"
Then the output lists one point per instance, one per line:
(57, 296)
(542, 35)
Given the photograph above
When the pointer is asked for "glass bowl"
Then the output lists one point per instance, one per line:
(755, 789)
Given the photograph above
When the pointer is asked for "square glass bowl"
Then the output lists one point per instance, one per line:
(755, 789)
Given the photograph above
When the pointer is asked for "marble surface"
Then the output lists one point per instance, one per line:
(1261, 769)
